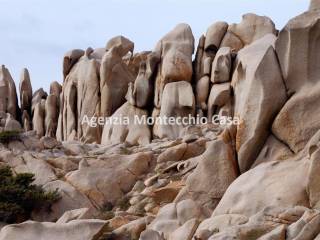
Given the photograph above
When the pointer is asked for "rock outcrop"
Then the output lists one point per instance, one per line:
(164, 145)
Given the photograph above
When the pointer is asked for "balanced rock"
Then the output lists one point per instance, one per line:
(251, 28)
(221, 66)
(175, 47)
(70, 59)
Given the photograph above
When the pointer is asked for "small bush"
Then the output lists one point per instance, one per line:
(8, 136)
(19, 197)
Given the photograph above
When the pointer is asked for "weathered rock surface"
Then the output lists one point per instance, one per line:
(178, 101)
(256, 71)
(175, 47)
(74, 230)
(131, 130)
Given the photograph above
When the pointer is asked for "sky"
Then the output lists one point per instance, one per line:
(36, 33)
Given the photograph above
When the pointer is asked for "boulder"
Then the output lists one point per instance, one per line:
(220, 97)
(67, 123)
(214, 36)
(55, 89)
(221, 66)
(216, 170)
(108, 180)
(70, 199)
(122, 43)
(141, 94)
(11, 124)
(26, 121)
(174, 215)
(202, 92)
(125, 126)
(175, 47)
(25, 91)
(314, 5)
(70, 59)
(178, 102)
(256, 71)
(86, 75)
(251, 28)
(37, 97)
(81, 213)
(8, 93)
(74, 230)
(297, 121)
(38, 120)
(51, 115)
(274, 179)
(114, 79)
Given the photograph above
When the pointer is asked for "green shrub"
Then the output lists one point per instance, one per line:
(19, 197)
(7, 136)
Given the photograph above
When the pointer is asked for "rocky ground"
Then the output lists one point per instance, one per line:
(255, 180)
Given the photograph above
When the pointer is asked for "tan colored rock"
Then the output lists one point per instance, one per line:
(37, 97)
(81, 213)
(43, 172)
(70, 199)
(220, 223)
(314, 5)
(86, 76)
(173, 154)
(150, 235)
(186, 231)
(141, 93)
(25, 91)
(221, 66)
(55, 88)
(134, 61)
(129, 129)
(178, 101)
(134, 228)
(109, 180)
(114, 79)
(202, 92)
(211, 178)
(70, 59)
(51, 115)
(38, 120)
(251, 28)
(175, 47)
(273, 150)
(256, 111)
(220, 96)
(274, 179)
(74, 230)
(172, 216)
(67, 123)
(214, 36)
(297, 121)
(8, 94)
(122, 43)
(26, 121)
(278, 233)
(11, 124)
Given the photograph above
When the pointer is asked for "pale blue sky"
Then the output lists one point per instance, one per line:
(36, 33)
